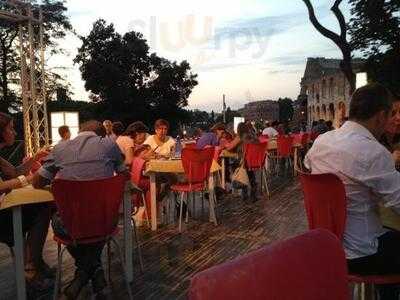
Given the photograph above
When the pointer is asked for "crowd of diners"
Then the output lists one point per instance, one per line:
(363, 152)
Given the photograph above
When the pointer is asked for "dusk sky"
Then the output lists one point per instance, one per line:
(246, 49)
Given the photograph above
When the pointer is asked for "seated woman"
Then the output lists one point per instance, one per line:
(35, 218)
(162, 144)
(244, 135)
(137, 131)
(391, 140)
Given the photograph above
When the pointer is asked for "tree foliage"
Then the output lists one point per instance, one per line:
(286, 110)
(375, 26)
(375, 32)
(56, 26)
(129, 81)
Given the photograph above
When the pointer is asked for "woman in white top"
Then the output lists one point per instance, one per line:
(124, 142)
(160, 142)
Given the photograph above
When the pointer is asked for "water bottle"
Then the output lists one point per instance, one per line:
(178, 147)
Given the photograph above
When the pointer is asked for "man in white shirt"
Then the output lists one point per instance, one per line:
(369, 175)
(270, 131)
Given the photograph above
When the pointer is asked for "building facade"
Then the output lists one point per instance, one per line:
(327, 89)
(267, 110)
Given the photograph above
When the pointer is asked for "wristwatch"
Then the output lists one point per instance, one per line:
(22, 179)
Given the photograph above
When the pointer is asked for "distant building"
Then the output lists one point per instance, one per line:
(326, 89)
(267, 110)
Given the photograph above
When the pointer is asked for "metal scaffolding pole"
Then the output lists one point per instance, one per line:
(33, 85)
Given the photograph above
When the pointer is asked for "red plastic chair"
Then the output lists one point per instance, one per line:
(190, 146)
(143, 183)
(89, 211)
(197, 165)
(314, 135)
(284, 151)
(255, 155)
(305, 139)
(263, 138)
(284, 146)
(325, 204)
(292, 269)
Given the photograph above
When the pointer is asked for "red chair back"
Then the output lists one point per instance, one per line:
(285, 145)
(197, 164)
(190, 146)
(314, 135)
(311, 266)
(89, 209)
(263, 138)
(304, 139)
(325, 202)
(138, 165)
(255, 155)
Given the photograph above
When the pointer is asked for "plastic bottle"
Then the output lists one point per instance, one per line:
(178, 147)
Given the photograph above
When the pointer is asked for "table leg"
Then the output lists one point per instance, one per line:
(212, 199)
(153, 197)
(295, 161)
(128, 235)
(223, 183)
(19, 253)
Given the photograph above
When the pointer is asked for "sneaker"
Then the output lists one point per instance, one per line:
(98, 281)
(74, 288)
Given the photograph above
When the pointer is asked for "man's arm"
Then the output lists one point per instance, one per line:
(384, 180)
(118, 161)
(46, 173)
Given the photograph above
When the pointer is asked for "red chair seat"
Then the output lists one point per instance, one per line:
(187, 187)
(374, 279)
(68, 242)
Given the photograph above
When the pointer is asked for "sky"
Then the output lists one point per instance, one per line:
(248, 50)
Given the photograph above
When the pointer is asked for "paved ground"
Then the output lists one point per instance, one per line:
(171, 259)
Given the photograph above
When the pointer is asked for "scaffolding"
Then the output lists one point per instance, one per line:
(32, 59)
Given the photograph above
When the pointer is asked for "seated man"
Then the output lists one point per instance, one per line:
(270, 130)
(87, 157)
(210, 137)
(368, 172)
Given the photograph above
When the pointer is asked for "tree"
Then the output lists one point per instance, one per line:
(339, 39)
(286, 110)
(56, 25)
(375, 32)
(375, 26)
(128, 81)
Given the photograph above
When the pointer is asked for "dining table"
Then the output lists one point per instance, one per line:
(173, 166)
(28, 195)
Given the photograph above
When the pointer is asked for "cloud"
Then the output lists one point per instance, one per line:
(288, 60)
(266, 26)
(284, 71)
(217, 67)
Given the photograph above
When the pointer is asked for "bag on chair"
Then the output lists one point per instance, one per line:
(240, 178)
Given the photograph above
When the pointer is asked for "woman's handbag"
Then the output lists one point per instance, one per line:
(240, 177)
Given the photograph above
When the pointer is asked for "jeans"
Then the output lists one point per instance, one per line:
(385, 261)
(87, 256)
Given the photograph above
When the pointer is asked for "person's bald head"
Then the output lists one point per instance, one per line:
(108, 126)
(93, 126)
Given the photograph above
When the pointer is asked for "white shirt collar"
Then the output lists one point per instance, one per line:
(358, 128)
(87, 133)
